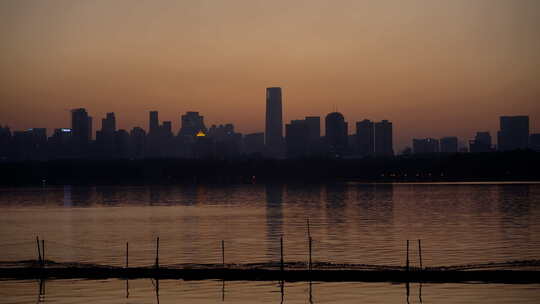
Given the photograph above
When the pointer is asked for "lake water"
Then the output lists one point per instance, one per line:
(458, 223)
(211, 291)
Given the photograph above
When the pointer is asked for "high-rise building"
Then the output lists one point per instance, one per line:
(121, 144)
(90, 129)
(449, 144)
(59, 143)
(166, 129)
(191, 124)
(514, 133)
(481, 143)
(534, 142)
(105, 138)
(365, 137)
(5, 140)
(153, 125)
(425, 145)
(30, 144)
(383, 138)
(81, 126)
(138, 142)
(108, 124)
(313, 124)
(297, 138)
(274, 122)
(336, 136)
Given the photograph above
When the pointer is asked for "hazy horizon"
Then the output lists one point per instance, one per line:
(433, 68)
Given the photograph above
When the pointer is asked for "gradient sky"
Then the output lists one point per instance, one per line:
(434, 68)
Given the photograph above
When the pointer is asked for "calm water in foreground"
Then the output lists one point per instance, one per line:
(178, 291)
(350, 223)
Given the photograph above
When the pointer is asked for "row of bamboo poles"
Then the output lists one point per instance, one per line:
(41, 252)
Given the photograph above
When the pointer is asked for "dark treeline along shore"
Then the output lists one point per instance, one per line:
(498, 166)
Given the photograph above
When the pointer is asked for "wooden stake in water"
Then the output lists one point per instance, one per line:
(420, 252)
(43, 251)
(281, 249)
(407, 261)
(39, 251)
(223, 253)
(310, 241)
(127, 254)
(157, 252)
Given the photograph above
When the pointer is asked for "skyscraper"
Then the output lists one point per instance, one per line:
(81, 125)
(514, 133)
(365, 137)
(383, 138)
(105, 138)
(336, 133)
(274, 122)
(153, 125)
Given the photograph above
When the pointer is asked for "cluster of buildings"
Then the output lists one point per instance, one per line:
(514, 134)
(301, 138)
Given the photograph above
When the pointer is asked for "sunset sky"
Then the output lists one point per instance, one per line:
(433, 68)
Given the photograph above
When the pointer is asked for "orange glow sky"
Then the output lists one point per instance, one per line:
(434, 68)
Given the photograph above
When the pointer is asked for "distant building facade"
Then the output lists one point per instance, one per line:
(481, 143)
(534, 142)
(514, 133)
(365, 138)
(81, 126)
(228, 143)
(449, 144)
(191, 124)
(425, 145)
(384, 138)
(336, 136)
(297, 138)
(274, 122)
(153, 123)
(254, 143)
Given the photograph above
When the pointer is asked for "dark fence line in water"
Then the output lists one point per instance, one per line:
(502, 272)
(289, 275)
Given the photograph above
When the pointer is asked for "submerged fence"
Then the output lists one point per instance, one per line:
(51, 253)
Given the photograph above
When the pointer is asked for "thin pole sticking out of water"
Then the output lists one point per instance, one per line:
(310, 240)
(157, 252)
(43, 251)
(223, 253)
(39, 251)
(407, 261)
(281, 249)
(127, 254)
(420, 252)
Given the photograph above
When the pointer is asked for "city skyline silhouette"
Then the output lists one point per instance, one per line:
(299, 138)
(434, 69)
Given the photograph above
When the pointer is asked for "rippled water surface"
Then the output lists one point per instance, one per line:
(349, 222)
(178, 291)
